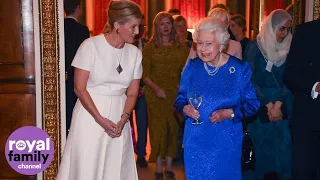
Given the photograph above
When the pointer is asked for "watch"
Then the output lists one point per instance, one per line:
(232, 115)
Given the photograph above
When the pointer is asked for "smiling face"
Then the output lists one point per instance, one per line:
(283, 31)
(129, 30)
(165, 26)
(207, 46)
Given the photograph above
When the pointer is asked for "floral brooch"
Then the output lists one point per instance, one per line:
(232, 70)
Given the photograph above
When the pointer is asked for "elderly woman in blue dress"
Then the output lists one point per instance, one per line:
(213, 148)
(270, 131)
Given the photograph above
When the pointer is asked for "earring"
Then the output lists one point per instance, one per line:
(117, 31)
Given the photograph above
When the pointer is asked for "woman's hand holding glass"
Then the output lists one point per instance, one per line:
(221, 115)
(190, 111)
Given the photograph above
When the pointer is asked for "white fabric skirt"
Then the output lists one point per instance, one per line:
(90, 154)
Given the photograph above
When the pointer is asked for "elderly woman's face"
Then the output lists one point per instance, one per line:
(283, 31)
(165, 26)
(207, 46)
(129, 30)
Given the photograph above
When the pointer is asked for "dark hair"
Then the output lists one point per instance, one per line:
(240, 21)
(174, 11)
(222, 6)
(121, 11)
(70, 6)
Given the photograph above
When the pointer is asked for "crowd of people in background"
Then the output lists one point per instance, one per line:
(271, 81)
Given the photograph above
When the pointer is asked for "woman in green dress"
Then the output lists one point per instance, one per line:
(163, 59)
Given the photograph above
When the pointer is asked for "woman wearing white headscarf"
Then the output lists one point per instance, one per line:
(270, 132)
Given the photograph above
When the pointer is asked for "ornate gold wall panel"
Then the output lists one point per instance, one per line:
(299, 11)
(316, 12)
(50, 78)
(299, 14)
(254, 18)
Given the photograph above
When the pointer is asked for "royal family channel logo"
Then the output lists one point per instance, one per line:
(29, 150)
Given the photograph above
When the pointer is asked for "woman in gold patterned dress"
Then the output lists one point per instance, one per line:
(163, 59)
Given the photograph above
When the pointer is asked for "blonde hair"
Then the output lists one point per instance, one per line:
(216, 27)
(121, 11)
(220, 13)
(156, 36)
(180, 19)
(222, 6)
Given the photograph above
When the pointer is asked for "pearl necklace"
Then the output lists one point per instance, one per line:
(215, 71)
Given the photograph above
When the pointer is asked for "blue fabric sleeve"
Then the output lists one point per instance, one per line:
(284, 92)
(249, 100)
(182, 99)
(251, 55)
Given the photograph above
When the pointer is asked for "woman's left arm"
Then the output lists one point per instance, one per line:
(132, 93)
(249, 101)
(279, 111)
(284, 92)
(181, 99)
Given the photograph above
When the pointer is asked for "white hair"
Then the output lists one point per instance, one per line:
(221, 14)
(216, 27)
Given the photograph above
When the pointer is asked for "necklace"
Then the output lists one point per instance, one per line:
(215, 71)
(119, 68)
(211, 73)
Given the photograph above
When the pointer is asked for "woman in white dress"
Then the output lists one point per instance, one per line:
(107, 76)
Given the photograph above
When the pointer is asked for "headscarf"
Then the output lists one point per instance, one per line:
(271, 49)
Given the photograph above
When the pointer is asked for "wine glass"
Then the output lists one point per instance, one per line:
(195, 100)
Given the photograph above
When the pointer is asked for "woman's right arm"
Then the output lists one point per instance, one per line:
(250, 56)
(156, 89)
(83, 63)
(147, 63)
(80, 82)
(181, 103)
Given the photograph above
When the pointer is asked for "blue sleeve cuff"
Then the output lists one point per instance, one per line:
(238, 115)
(179, 107)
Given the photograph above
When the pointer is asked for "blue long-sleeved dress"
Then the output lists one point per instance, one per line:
(272, 141)
(213, 151)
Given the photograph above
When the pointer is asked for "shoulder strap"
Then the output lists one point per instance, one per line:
(274, 78)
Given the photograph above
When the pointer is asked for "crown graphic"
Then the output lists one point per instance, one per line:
(21, 145)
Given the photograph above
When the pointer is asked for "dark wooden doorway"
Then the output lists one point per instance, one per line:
(17, 75)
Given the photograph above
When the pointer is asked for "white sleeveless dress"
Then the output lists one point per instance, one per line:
(90, 154)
